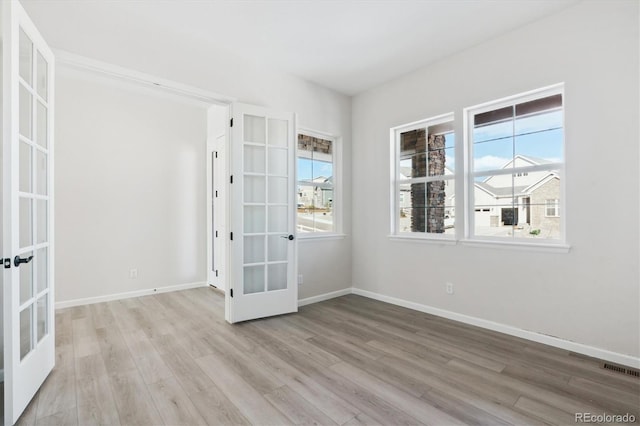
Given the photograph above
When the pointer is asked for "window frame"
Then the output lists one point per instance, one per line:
(394, 136)
(336, 203)
(470, 175)
(554, 204)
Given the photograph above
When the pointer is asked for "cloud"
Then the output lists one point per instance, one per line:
(489, 162)
(450, 162)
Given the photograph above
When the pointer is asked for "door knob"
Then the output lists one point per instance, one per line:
(290, 237)
(18, 260)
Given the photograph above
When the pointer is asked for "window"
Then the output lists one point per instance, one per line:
(515, 164)
(553, 208)
(423, 185)
(316, 186)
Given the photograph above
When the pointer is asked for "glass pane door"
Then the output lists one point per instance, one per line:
(265, 204)
(264, 253)
(27, 146)
(33, 195)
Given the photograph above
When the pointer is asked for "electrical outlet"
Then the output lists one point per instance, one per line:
(300, 279)
(133, 274)
(449, 288)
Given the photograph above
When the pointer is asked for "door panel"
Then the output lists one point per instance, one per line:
(264, 248)
(27, 201)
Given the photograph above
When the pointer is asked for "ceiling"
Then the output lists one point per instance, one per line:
(346, 45)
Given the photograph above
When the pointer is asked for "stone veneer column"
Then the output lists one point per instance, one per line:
(435, 190)
(427, 200)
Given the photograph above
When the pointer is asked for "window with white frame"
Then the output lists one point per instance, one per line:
(316, 184)
(515, 167)
(423, 184)
(553, 208)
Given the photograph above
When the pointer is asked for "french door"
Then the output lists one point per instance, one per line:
(263, 245)
(27, 209)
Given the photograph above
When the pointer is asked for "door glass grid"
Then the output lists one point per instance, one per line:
(26, 57)
(277, 198)
(26, 280)
(265, 197)
(26, 331)
(33, 126)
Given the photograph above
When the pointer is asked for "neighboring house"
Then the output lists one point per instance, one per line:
(535, 196)
(316, 196)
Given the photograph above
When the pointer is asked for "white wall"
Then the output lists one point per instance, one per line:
(326, 265)
(130, 188)
(590, 295)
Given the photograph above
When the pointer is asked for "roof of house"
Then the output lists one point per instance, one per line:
(506, 191)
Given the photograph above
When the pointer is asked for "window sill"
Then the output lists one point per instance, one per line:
(516, 245)
(509, 245)
(321, 237)
(420, 239)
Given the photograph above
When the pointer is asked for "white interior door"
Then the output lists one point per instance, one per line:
(218, 131)
(263, 246)
(27, 143)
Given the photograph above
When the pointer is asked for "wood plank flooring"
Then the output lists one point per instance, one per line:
(172, 359)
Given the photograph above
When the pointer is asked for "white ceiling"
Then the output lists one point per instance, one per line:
(346, 45)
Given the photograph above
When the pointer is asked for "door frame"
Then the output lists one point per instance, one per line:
(217, 189)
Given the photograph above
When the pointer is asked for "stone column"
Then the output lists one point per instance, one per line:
(435, 190)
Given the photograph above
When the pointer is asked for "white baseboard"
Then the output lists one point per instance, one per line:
(322, 297)
(127, 295)
(580, 348)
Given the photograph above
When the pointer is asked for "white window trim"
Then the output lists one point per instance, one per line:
(469, 175)
(337, 187)
(394, 135)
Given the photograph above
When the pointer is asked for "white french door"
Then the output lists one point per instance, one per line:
(27, 203)
(263, 248)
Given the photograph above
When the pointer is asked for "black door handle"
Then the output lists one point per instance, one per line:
(18, 260)
(290, 237)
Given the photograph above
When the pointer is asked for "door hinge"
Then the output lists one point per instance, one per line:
(216, 153)
(216, 194)
(216, 272)
(6, 262)
(232, 236)
(231, 123)
(216, 234)
(231, 292)
(231, 178)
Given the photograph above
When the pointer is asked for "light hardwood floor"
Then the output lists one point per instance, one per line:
(172, 359)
